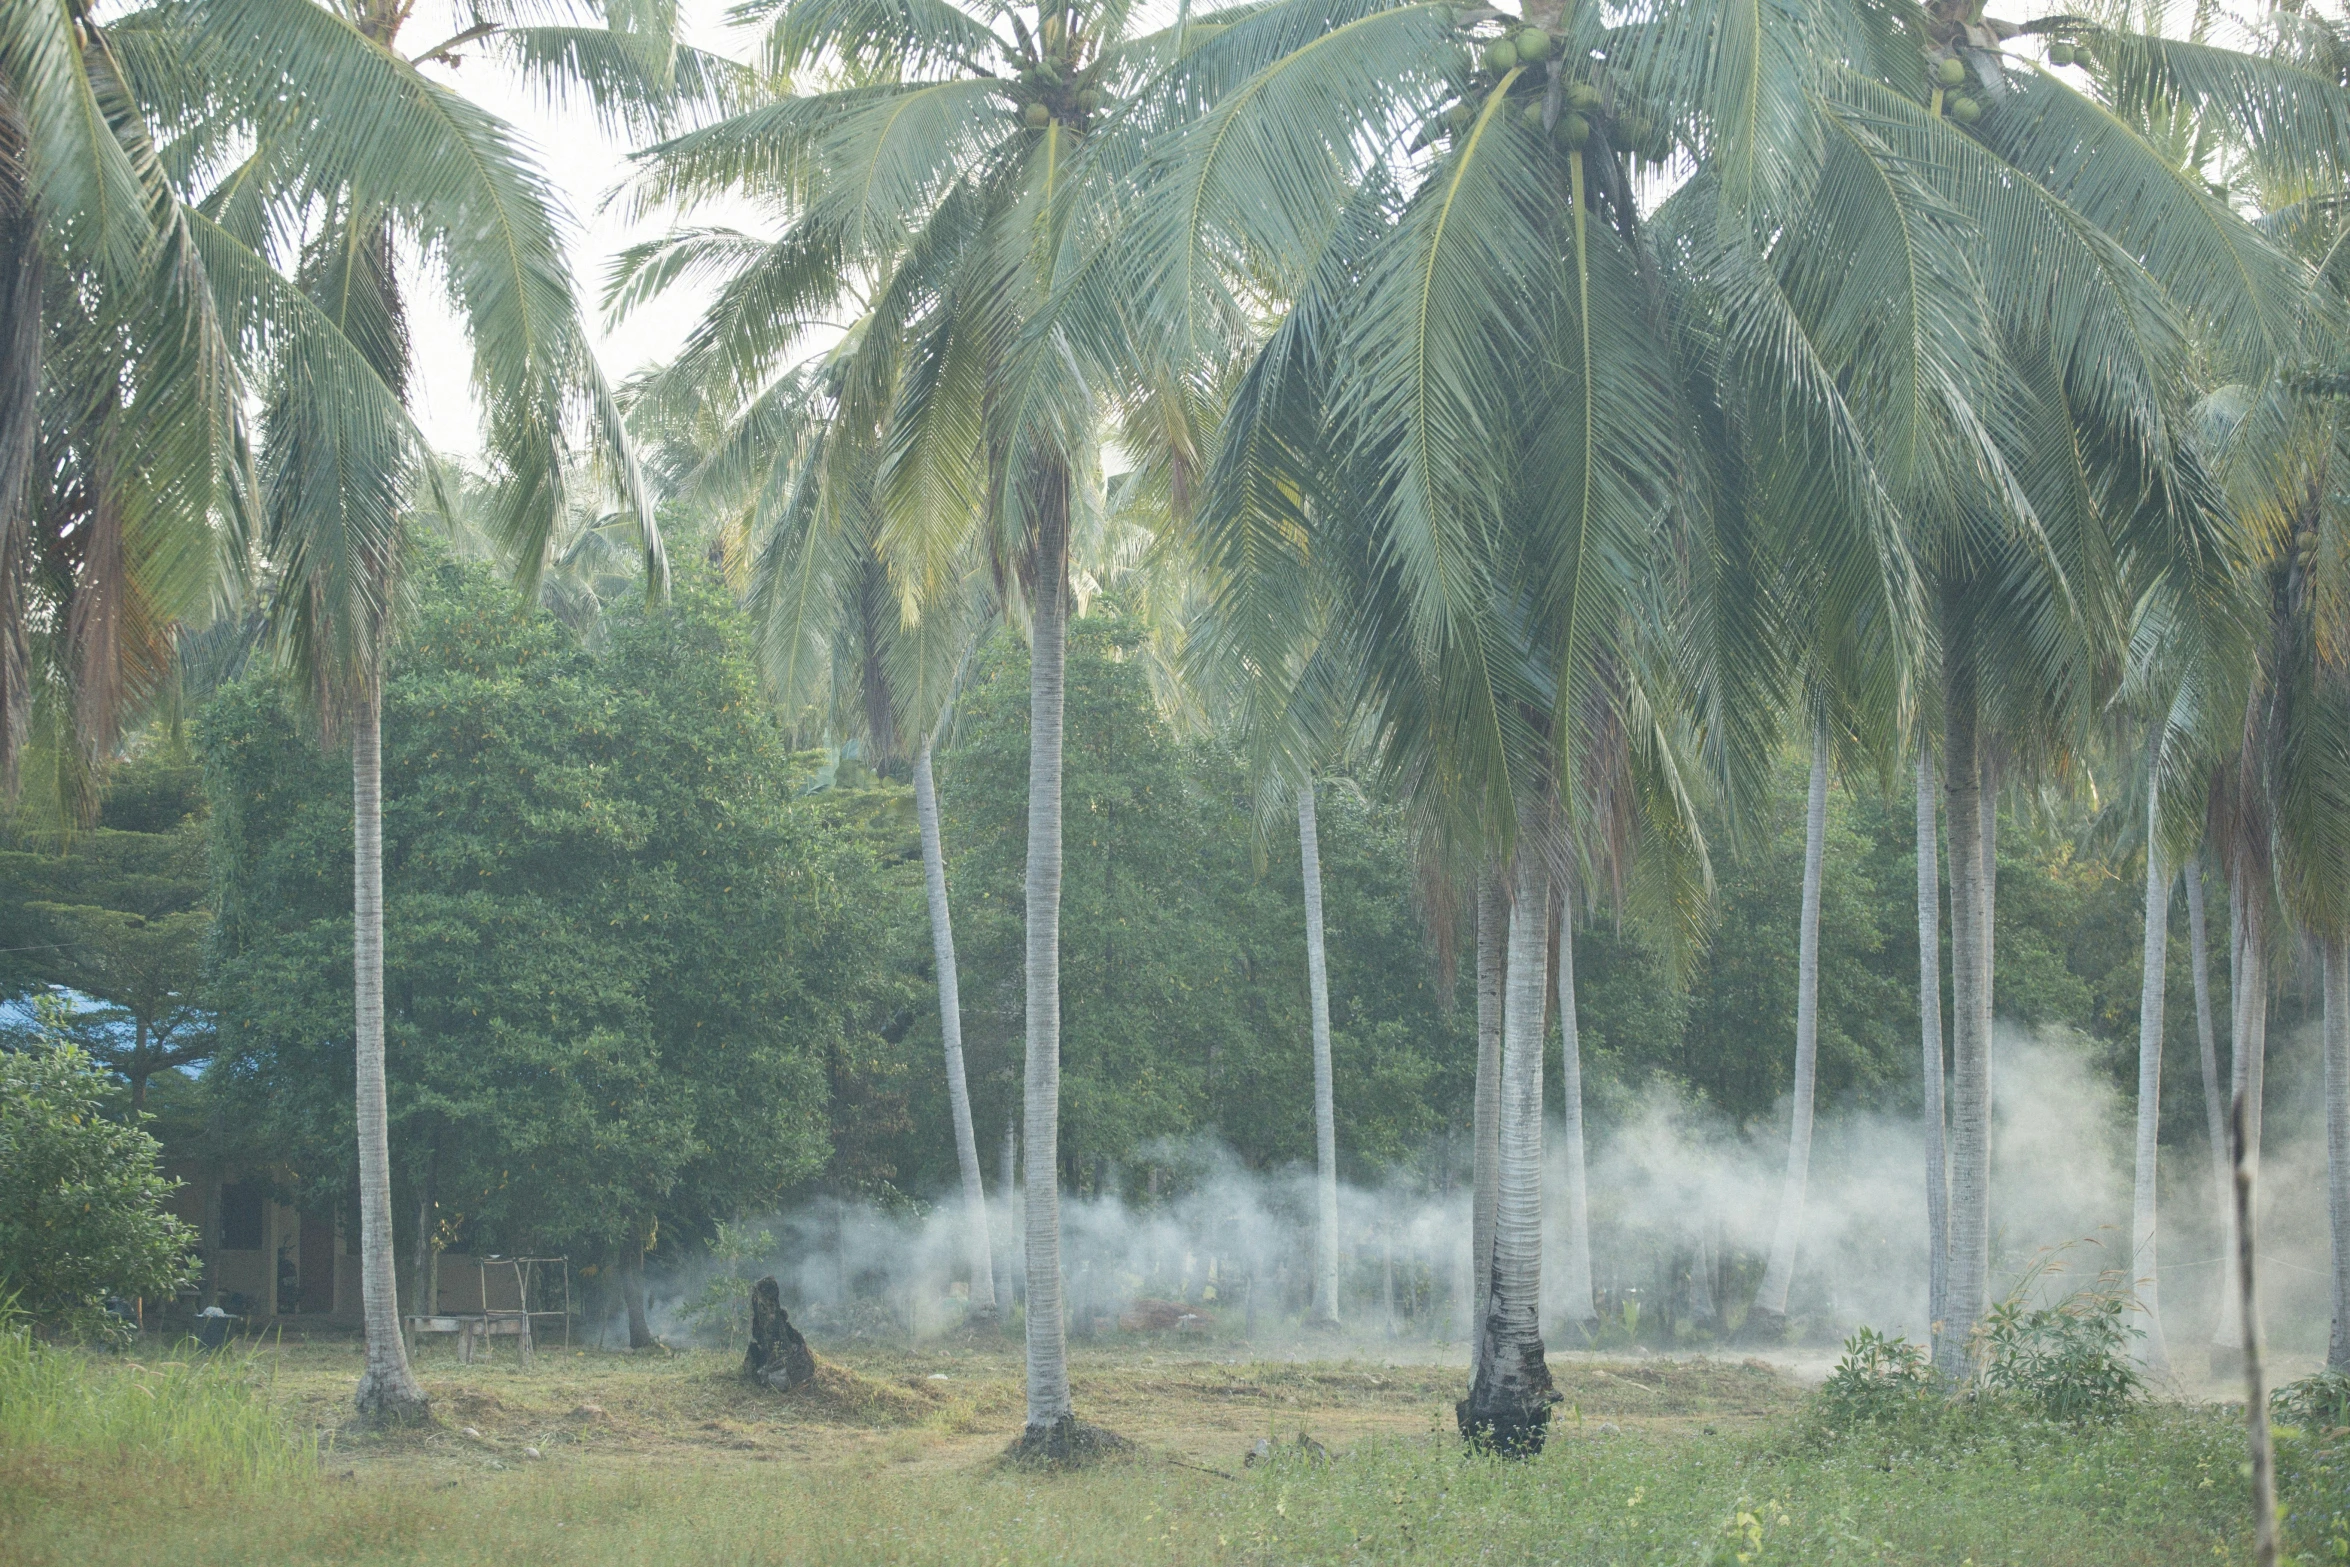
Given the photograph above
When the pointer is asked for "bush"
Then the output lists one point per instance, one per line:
(81, 1203)
(2068, 1361)
(2319, 1402)
(1877, 1379)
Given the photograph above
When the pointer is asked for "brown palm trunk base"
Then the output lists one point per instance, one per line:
(1507, 1411)
(1513, 1426)
(384, 1402)
(1068, 1443)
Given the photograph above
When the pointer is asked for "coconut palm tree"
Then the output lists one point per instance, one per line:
(1508, 1406)
(125, 482)
(319, 140)
(1770, 1300)
(1930, 1036)
(2143, 1207)
(924, 157)
(1325, 1098)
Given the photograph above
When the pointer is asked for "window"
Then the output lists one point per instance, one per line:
(240, 1216)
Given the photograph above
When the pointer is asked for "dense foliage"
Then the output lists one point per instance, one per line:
(619, 958)
(117, 916)
(81, 1201)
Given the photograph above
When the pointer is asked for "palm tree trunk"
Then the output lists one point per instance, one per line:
(1970, 1027)
(950, 1028)
(2150, 1004)
(1575, 1266)
(1508, 1407)
(2215, 1112)
(388, 1390)
(1051, 1423)
(1485, 1153)
(2336, 954)
(2248, 967)
(1930, 1038)
(1770, 1301)
(1325, 1110)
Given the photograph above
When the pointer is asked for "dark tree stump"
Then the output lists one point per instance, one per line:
(778, 1356)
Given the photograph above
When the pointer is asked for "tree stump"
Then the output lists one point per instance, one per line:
(778, 1357)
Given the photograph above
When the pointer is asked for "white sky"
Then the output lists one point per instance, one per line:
(584, 164)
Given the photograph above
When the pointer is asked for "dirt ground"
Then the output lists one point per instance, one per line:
(952, 1403)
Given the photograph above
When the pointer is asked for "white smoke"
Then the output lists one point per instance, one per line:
(1682, 1206)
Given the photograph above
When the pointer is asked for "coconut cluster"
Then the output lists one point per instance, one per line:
(1585, 116)
(1054, 87)
(1950, 75)
(2071, 51)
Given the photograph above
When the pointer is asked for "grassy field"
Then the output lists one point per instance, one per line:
(893, 1457)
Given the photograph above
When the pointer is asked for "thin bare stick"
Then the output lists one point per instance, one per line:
(2264, 1468)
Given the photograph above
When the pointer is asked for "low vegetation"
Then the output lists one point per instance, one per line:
(894, 1456)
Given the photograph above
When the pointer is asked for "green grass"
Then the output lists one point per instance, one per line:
(103, 1463)
(207, 1420)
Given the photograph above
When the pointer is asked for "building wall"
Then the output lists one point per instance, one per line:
(266, 1261)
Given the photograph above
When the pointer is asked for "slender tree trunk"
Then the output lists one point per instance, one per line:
(1969, 1275)
(1015, 1286)
(2248, 1009)
(2336, 955)
(2154, 969)
(1930, 1038)
(388, 1390)
(2262, 1452)
(1051, 1422)
(1485, 1152)
(1309, 847)
(427, 1298)
(950, 1028)
(2215, 1111)
(1508, 1407)
(138, 1068)
(1575, 1266)
(632, 1296)
(1770, 1301)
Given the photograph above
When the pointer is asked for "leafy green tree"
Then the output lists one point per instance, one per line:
(116, 913)
(81, 1201)
(621, 959)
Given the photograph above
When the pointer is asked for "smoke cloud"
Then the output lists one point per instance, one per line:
(1682, 1206)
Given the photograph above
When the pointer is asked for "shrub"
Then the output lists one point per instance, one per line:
(2068, 1361)
(2319, 1402)
(81, 1203)
(1878, 1378)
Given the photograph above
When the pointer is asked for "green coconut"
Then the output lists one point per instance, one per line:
(1089, 99)
(1951, 72)
(1572, 130)
(2060, 53)
(1037, 116)
(1965, 110)
(1501, 56)
(1459, 115)
(1532, 115)
(1582, 97)
(1634, 130)
(1533, 46)
(2083, 58)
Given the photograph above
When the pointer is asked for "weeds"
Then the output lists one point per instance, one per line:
(203, 1418)
(1878, 1378)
